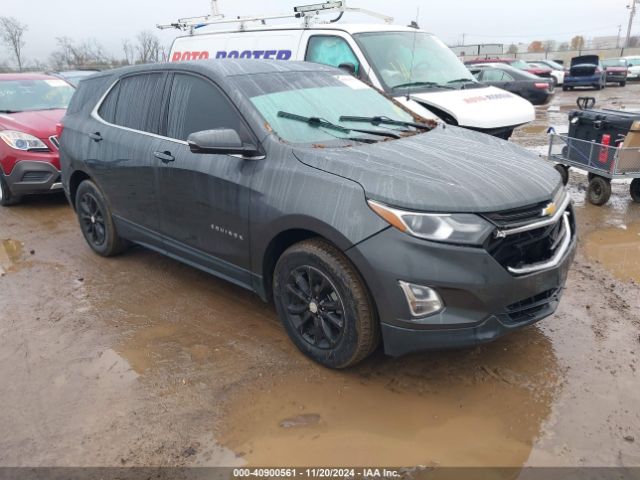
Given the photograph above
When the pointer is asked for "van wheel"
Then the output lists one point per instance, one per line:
(324, 305)
(635, 190)
(96, 221)
(6, 197)
(599, 190)
(623, 84)
(563, 170)
(565, 88)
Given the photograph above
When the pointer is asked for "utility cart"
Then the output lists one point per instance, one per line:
(602, 162)
(605, 143)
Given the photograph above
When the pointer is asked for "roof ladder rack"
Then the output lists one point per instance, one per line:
(305, 12)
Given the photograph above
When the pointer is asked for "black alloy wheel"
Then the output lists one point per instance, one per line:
(92, 220)
(96, 221)
(314, 307)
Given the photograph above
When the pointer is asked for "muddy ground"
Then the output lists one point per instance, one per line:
(139, 360)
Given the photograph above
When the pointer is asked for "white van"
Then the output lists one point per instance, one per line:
(409, 64)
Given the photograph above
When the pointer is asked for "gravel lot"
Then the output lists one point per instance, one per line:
(139, 360)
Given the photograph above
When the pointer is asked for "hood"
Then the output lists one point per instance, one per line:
(40, 123)
(482, 108)
(585, 60)
(445, 170)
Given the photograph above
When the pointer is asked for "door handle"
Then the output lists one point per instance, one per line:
(96, 137)
(165, 157)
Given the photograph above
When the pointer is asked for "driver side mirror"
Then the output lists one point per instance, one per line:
(221, 141)
(350, 68)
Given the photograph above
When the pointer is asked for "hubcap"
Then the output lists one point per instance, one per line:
(92, 220)
(314, 307)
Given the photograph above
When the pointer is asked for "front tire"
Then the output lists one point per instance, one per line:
(324, 305)
(6, 197)
(96, 221)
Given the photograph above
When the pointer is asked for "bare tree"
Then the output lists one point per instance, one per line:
(148, 47)
(577, 42)
(129, 52)
(71, 54)
(12, 33)
(563, 47)
(513, 49)
(549, 45)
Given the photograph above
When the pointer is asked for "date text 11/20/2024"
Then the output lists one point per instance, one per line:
(343, 473)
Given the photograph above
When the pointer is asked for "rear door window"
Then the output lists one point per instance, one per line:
(134, 102)
(331, 50)
(196, 105)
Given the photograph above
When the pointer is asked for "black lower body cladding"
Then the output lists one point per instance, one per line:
(482, 300)
(29, 177)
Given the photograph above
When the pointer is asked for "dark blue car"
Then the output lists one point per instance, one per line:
(585, 71)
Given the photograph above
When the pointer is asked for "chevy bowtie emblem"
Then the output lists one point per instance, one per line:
(549, 210)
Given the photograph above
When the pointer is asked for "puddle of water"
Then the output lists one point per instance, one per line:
(617, 249)
(418, 410)
(10, 255)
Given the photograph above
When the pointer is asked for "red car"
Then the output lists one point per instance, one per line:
(515, 63)
(31, 105)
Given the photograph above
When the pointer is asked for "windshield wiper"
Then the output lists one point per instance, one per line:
(460, 80)
(380, 120)
(10, 111)
(320, 122)
(422, 84)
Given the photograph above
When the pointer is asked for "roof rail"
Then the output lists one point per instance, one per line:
(305, 12)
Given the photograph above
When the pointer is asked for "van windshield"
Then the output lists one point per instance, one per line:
(288, 100)
(412, 60)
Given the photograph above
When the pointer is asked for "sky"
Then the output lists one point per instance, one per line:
(483, 21)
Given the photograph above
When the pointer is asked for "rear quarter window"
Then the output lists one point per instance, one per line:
(87, 94)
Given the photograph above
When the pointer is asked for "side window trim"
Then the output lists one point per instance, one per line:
(169, 86)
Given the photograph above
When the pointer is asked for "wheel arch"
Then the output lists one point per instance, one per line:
(75, 180)
(289, 232)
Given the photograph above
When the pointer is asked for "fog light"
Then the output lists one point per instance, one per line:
(422, 300)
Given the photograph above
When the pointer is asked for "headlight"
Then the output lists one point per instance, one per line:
(22, 141)
(463, 228)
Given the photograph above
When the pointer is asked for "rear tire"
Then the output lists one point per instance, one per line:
(623, 84)
(6, 197)
(96, 221)
(634, 189)
(563, 170)
(324, 305)
(565, 88)
(599, 191)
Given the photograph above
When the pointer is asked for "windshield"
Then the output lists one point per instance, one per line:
(27, 95)
(554, 65)
(322, 96)
(398, 64)
(520, 64)
(615, 62)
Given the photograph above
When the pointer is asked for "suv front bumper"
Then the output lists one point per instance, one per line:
(482, 299)
(33, 176)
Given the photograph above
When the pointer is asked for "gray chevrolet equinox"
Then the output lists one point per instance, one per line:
(360, 221)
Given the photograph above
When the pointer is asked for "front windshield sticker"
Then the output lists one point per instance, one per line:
(351, 82)
(56, 83)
